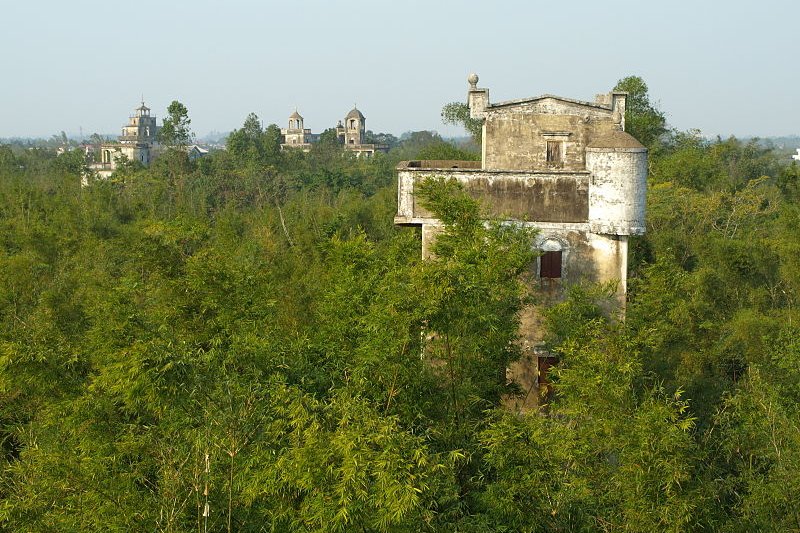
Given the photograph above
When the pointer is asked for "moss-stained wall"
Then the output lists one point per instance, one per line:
(545, 197)
(516, 136)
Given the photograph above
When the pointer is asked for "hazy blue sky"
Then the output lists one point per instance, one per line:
(726, 67)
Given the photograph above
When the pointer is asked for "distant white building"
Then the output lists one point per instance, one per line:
(137, 143)
(796, 156)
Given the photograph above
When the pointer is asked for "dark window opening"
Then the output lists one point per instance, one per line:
(554, 152)
(550, 265)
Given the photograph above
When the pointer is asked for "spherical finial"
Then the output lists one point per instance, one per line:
(473, 81)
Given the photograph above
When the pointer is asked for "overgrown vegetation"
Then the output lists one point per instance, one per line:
(236, 345)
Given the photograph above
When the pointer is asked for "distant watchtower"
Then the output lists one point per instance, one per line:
(295, 121)
(296, 135)
(136, 144)
(141, 127)
(354, 127)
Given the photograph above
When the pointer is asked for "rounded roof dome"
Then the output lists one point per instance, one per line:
(355, 113)
(615, 139)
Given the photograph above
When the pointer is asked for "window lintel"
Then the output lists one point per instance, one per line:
(556, 135)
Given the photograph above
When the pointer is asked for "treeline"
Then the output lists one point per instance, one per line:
(237, 344)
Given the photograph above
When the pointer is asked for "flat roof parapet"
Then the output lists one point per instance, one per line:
(439, 164)
(474, 167)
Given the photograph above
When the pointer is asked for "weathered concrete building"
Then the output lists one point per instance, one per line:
(296, 136)
(564, 166)
(353, 135)
(137, 143)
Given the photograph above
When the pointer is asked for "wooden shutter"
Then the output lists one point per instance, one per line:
(550, 265)
(554, 151)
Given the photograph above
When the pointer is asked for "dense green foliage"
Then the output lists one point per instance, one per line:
(247, 343)
(643, 120)
(175, 132)
(457, 114)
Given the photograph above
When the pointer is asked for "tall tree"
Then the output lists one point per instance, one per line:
(457, 114)
(175, 132)
(253, 144)
(643, 119)
(245, 142)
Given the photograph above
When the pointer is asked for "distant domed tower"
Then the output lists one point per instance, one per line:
(141, 127)
(139, 136)
(295, 121)
(297, 136)
(354, 127)
(137, 143)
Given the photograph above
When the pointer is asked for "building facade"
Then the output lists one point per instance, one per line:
(563, 166)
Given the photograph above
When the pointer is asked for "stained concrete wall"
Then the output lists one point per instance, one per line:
(618, 190)
(354, 130)
(546, 197)
(516, 135)
(556, 205)
(140, 153)
(145, 128)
